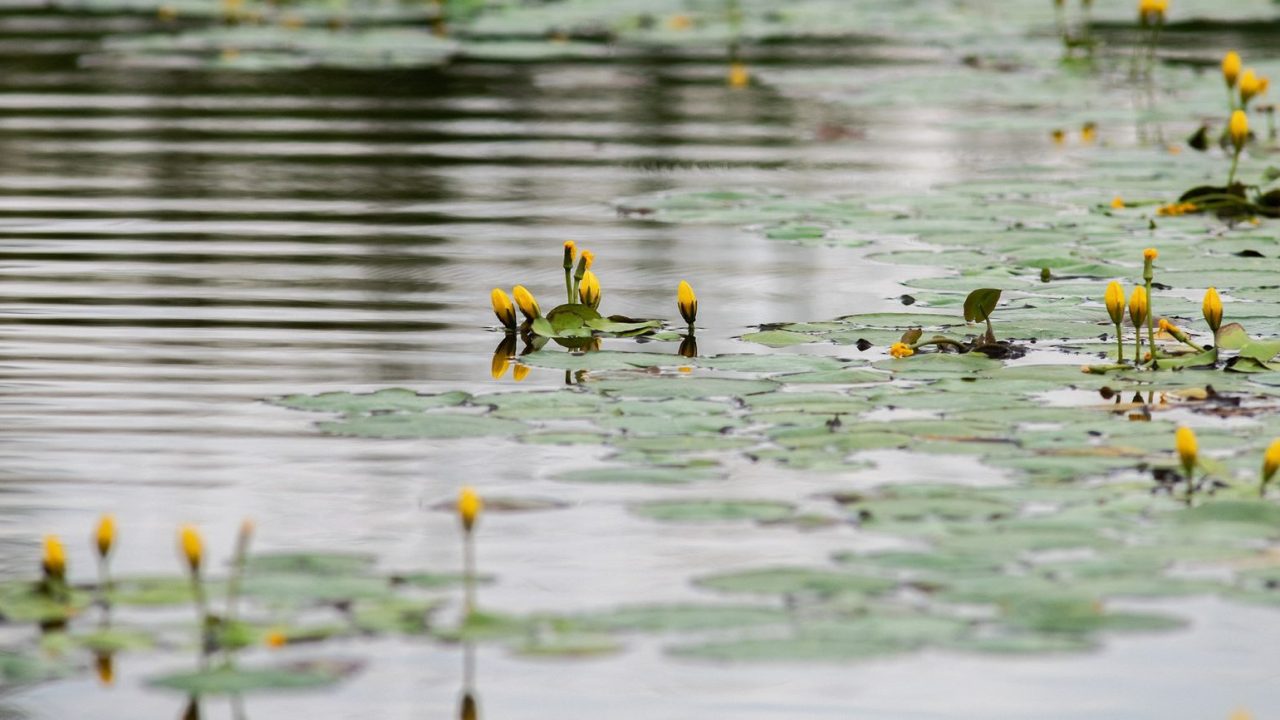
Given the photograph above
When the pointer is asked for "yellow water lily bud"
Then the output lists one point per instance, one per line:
(1117, 203)
(901, 350)
(1138, 306)
(687, 301)
(105, 535)
(1152, 11)
(275, 639)
(528, 305)
(1089, 132)
(1115, 302)
(1270, 461)
(1185, 442)
(1059, 137)
(739, 76)
(104, 665)
(588, 258)
(469, 507)
(503, 308)
(54, 561)
(1239, 129)
(1249, 86)
(1150, 255)
(1212, 308)
(570, 253)
(1231, 68)
(589, 290)
(192, 547)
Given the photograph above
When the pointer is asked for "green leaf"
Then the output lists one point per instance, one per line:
(227, 680)
(980, 303)
(713, 510)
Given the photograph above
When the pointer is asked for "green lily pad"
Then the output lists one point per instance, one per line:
(713, 510)
(228, 680)
(391, 399)
(789, 580)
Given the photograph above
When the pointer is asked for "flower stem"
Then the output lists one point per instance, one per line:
(1235, 160)
(568, 284)
(1151, 333)
(1119, 344)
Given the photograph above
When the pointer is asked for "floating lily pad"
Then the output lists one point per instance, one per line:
(713, 510)
(229, 680)
(786, 581)
(388, 400)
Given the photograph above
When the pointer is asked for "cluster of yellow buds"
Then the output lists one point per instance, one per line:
(1175, 209)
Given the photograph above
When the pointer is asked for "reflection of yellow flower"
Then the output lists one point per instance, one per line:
(1115, 302)
(1185, 441)
(687, 301)
(105, 535)
(499, 366)
(1089, 132)
(105, 667)
(55, 557)
(191, 545)
(901, 350)
(528, 305)
(739, 76)
(503, 308)
(1231, 68)
(1059, 137)
(1239, 129)
(1117, 203)
(1138, 306)
(469, 506)
(1212, 309)
(519, 372)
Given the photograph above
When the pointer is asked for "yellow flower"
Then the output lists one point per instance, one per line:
(1270, 461)
(55, 557)
(503, 308)
(1185, 441)
(901, 350)
(1231, 68)
(1117, 203)
(570, 253)
(1150, 254)
(1089, 132)
(739, 76)
(1166, 326)
(106, 535)
(1239, 129)
(1059, 137)
(687, 301)
(1115, 302)
(589, 290)
(276, 639)
(528, 305)
(469, 506)
(1249, 86)
(1174, 209)
(1212, 309)
(191, 546)
(679, 22)
(1138, 306)
(1151, 11)
(588, 258)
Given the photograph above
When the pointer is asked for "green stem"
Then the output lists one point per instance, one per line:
(1137, 345)
(991, 334)
(1119, 344)
(1151, 333)
(1235, 160)
(568, 284)
(469, 572)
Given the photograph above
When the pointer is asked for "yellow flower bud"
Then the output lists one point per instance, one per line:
(276, 639)
(469, 506)
(1185, 441)
(1239, 129)
(528, 305)
(104, 664)
(570, 253)
(1089, 133)
(1150, 255)
(106, 535)
(1059, 137)
(901, 350)
(1138, 306)
(1117, 203)
(503, 308)
(1212, 308)
(1249, 86)
(1166, 326)
(1270, 461)
(589, 290)
(55, 558)
(739, 76)
(192, 547)
(588, 258)
(1231, 68)
(1115, 302)
(687, 301)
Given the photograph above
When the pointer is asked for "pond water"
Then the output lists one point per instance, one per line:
(178, 247)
